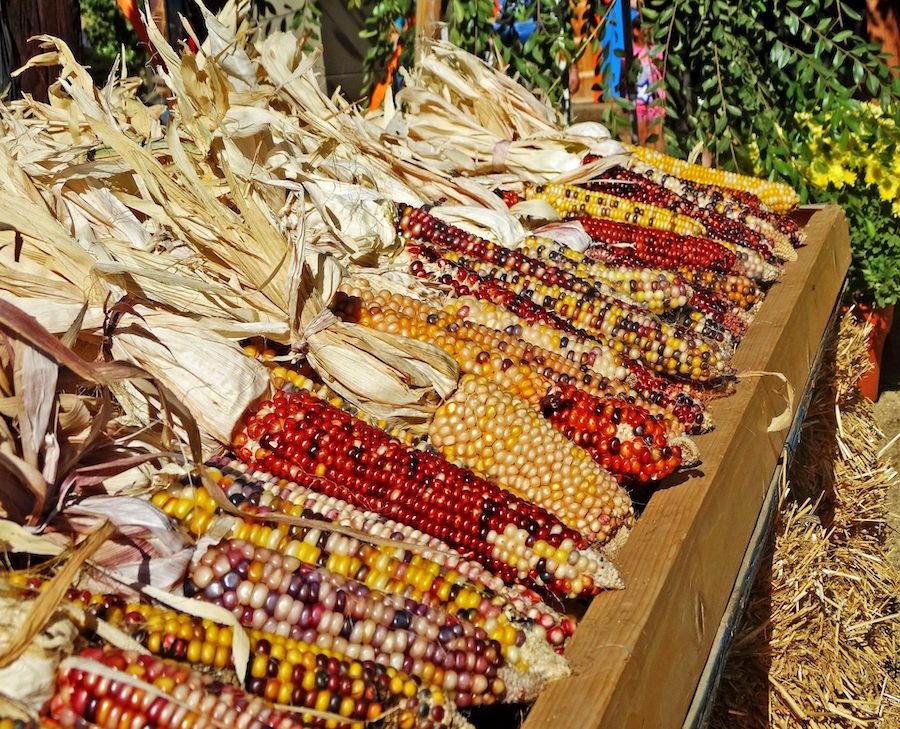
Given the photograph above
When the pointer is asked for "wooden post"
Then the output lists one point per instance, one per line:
(428, 15)
(884, 28)
(28, 18)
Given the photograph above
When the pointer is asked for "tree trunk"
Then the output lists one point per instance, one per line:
(29, 18)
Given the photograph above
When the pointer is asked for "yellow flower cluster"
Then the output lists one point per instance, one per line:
(862, 153)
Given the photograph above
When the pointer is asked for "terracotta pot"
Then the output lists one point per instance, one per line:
(881, 319)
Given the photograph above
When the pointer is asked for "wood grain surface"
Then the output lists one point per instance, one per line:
(638, 653)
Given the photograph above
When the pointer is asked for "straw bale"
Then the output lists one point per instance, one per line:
(817, 646)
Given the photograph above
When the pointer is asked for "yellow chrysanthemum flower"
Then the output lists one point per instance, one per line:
(889, 187)
(874, 172)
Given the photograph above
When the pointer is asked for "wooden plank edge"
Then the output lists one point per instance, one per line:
(621, 635)
(699, 712)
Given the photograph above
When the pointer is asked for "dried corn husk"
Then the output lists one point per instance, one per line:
(30, 679)
(210, 374)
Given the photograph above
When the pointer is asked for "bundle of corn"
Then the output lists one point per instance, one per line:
(477, 351)
(817, 645)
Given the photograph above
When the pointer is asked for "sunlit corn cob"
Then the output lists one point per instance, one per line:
(624, 439)
(500, 435)
(678, 397)
(635, 186)
(153, 692)
(420, 225)
(564, 367)
(584, 351)
(753, 265)
(402, 315)
(298, 434)
(741, 291)
(656, 290)
(575, 308)
(570, 201)
(283, 596)
(626, 330)
(736, 205)
(629, 330)
(720, 314)
(390, 570)
(281, 670)
(630, 244)
(776, 195)
(559, 363)
(257, 492)
(568, 305)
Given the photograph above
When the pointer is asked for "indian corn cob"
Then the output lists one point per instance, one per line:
(624, 440)
(259, 493)
(571, 201)
(298, 434)
(737, 205)
(629, 244)
(778, 196)
(281, 670)
(495, 433)
(153, 692)
(281, 595)
(628, 331)
(657, 290)
(389, 570)
(762, 237)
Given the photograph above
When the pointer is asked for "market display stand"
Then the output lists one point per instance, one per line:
(638, 654)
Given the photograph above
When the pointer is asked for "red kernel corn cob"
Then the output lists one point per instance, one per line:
(601, 429)
(299, 434)
(158, 693)
(628, 244)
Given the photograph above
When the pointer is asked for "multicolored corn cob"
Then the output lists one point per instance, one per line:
(283, 596)
(112, 688)
(389, 570)
(438, 567)
(281, 670)
(777, 196)
(570, 201)
(630, 184)
(629, 331)
(296, 434)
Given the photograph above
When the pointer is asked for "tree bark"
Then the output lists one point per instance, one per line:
(29, 18)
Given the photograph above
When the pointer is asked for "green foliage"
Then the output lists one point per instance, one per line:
(107, 30)
(383, 35)
(741, 76)
(540, 62)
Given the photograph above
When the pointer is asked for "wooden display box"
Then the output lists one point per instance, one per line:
(638, 653)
